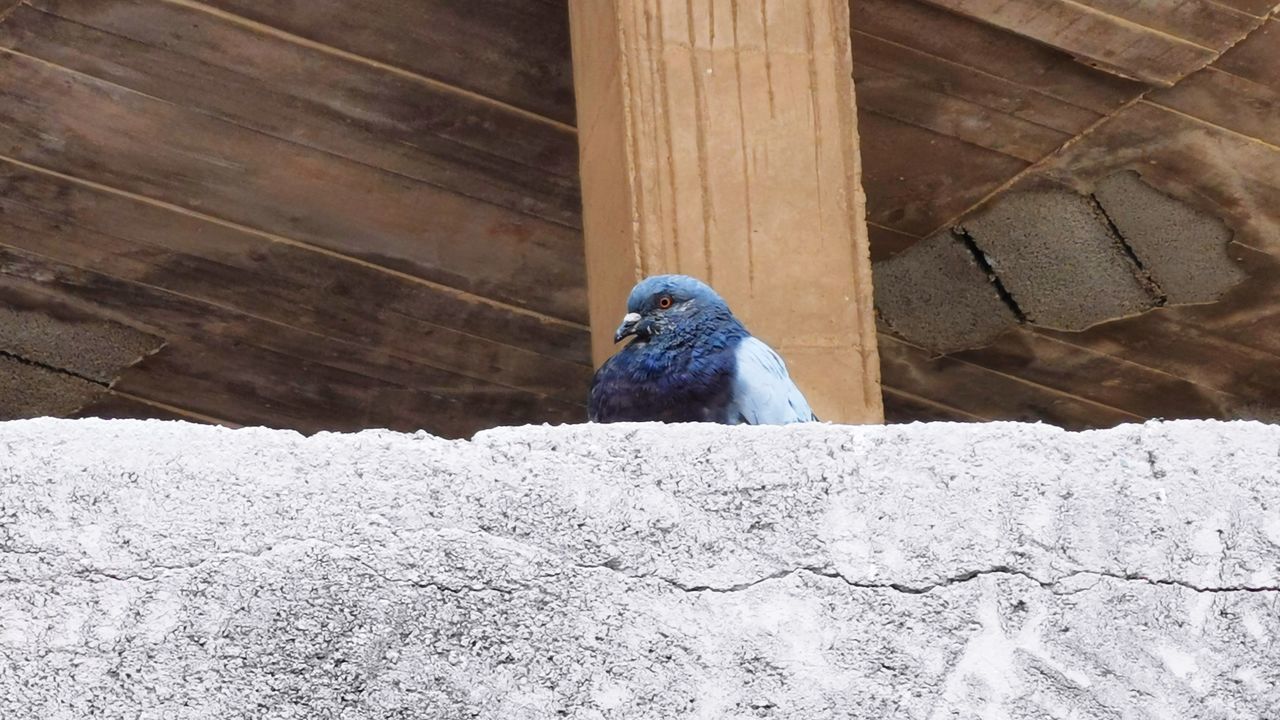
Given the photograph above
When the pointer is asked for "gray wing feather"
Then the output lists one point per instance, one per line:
(763, 393)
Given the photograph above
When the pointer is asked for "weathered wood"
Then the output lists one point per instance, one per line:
(515, 51)
(903, 407)
(920, 180)
(1101, 40)
(1257, 8)
(1257, 57)
(255, 386)
(1204, 22)
(887, 242)
(415, 342)
(119, 406)
(916, 103)
(103, 230)
(987, 50)
(87, 128)
(1022, 109)
(986, 393)
(1055, 363)
(720, 140)
(1230, 101)
(29, 280)
(310, 97)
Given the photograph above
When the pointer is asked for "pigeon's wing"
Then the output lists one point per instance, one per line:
(763, 393)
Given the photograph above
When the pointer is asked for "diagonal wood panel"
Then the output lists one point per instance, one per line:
(425, 131)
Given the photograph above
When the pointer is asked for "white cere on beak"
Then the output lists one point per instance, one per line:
(631, 318)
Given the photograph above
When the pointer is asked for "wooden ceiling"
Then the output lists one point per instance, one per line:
(325, 214)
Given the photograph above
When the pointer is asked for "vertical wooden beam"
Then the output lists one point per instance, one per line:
(719, 139)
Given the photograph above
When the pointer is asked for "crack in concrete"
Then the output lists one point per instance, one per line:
(958, 579)
(984, 264)
(52, 368)
(615, 565)
(1139, 269)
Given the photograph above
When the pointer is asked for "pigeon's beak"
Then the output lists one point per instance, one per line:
(627, 328)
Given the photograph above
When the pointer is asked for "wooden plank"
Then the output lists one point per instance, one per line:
(1055, 363)
(719, 140)
(291, 286)
(1250, 313)
(1228, 100)
(887, 242)
(1203, 22)
(118, 406)
(910, 101)
(257, 269)
(87, 128)
(902, 407)
(309, 97)
(1258, 8)
(1159, 342)
(1027, 111)
(917, 179)
(254, 386)
(986, 393)
(992, 51)
(1101, 40)
(1257, 58)
(24, 275)
(515, 51)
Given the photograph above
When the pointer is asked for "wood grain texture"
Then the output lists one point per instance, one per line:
(719, 140)
(1054, 363)
(918, 179)
(983, 392)
(30, 279)
(1022, 105)
(513, 51)
(254, 279)
(989, 50)
(114, 405)
(88, 128)
(317, 99)
(915, 102)
(1107, 41)
(1257, 57)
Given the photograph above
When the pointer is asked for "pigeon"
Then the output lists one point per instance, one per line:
(691, 360)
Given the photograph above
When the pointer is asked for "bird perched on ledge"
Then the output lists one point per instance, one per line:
(691, 360)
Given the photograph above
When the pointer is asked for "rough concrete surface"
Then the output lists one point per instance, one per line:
(29, 390)
(935, 295)
(1184, 249)
(93, 349)
(165, 570)
(1055, 254)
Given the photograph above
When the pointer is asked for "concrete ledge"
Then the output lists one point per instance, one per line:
(164, 570)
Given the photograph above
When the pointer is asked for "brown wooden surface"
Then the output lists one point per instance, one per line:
(1150, 42)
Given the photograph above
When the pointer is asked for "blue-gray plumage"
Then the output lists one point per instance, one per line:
(691, 360)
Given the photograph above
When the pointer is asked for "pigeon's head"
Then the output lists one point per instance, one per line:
(661, 303)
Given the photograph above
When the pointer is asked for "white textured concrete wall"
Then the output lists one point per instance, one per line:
(162, 570)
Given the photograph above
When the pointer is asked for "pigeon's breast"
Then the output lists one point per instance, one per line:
(643, 384)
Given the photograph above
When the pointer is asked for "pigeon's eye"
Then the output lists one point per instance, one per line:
(664, 302)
